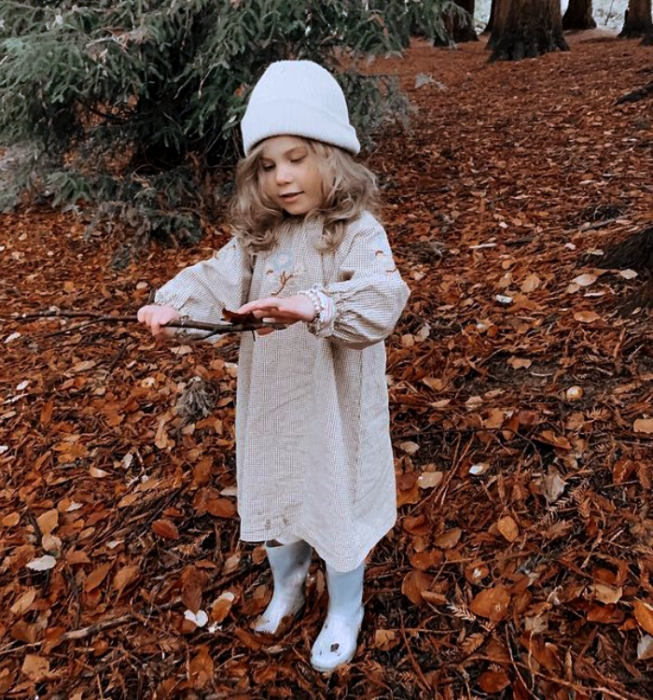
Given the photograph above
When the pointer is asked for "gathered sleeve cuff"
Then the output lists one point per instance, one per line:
(369, 296)
(202, 291)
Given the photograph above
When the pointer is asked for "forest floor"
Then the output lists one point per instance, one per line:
(521, 396)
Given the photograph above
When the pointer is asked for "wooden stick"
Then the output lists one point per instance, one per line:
(212, 328)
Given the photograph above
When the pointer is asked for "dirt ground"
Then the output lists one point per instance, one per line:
(520, 386)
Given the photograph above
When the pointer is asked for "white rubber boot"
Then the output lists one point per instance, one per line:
(336, 643)
(289, 564)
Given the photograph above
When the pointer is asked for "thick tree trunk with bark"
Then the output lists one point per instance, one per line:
(638, 19)
(526, 29)
(460, 29)
(579, 15)
(490, 23)
(463, 29)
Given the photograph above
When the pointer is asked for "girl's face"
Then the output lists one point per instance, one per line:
(289, 174)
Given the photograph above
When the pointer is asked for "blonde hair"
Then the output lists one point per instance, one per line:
(349, 189)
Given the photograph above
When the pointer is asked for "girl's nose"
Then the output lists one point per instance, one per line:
(283, 175)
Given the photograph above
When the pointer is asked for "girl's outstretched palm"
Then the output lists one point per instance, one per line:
(280, 310)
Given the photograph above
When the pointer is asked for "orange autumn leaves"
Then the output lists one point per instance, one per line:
(521, 414)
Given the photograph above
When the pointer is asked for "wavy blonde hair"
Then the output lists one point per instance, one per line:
(349, 189)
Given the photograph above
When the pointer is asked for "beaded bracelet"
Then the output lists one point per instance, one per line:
(315, 300)
(323, 306)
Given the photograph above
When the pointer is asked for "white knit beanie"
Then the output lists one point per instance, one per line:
(298, 98)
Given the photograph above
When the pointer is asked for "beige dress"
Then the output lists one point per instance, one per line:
(314, 457)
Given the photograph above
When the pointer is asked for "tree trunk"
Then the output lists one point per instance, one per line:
(463, 28)
(638, 19)
(490, 23)
(526, 29)
(459, 29)
(579, 15)
(648, 39)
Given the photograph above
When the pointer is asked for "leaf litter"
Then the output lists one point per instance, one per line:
(520, 566)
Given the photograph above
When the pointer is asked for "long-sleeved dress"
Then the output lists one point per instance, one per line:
(314, 457)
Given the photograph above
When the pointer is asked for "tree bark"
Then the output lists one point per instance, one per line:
(638, 19)
(579, 15)
(490, 23)
(526, 29)
(459, 29)
(463, 29)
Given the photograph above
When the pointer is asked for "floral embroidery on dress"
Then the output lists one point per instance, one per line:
(283, 272)
(383, 256)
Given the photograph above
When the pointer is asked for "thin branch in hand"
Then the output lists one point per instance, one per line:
(183, 324)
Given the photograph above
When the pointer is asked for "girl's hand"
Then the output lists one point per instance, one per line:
(155, 317)
(280, 310)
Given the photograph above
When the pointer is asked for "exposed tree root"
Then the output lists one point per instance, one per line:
(633, 253)
(637, 95)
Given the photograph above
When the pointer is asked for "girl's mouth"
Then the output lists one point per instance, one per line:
(291, 197)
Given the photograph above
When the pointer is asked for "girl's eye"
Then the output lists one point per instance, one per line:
(267, 167)
(297, 160)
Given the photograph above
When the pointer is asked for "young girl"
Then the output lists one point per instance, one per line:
(314, 458)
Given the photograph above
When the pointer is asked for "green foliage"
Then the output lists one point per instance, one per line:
(68, 185)
(423, 18)
(110, 88)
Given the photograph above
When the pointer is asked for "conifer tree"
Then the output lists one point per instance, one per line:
(132, 100)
